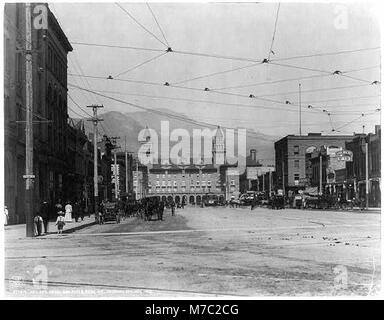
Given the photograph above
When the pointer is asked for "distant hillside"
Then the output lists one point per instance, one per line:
(130, 124)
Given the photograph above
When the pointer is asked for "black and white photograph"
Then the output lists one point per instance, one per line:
(191, 150)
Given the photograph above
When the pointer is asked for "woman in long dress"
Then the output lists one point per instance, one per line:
(68, 212)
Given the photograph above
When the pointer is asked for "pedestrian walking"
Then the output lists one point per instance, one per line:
(173, 207)
(58, 206)
(68, 212)
(6, 216)
(38, 224)
(82, 209)
(60, 222)
(254, 202)
(75, 210)
(44, 211)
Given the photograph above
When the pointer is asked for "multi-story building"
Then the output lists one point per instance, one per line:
(76, 174)
(293, 154)
(355, 170)
(191, 181)
(330, 164)
(49, 63)
(248, 179)
(124, 172)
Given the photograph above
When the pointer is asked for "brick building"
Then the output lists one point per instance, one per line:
(192, 182)
(50, 48)
(355, 171)
(293, 154)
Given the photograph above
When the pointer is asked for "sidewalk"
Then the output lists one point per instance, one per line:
(18, 230)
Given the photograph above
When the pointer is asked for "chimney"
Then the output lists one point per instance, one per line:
(253, 154)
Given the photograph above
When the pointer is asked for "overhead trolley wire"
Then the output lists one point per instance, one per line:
(158, 24)
(204, 54)
(171, 115)
(274, 32)
(326, 54)
(218, 72)
(195, 89)
(115, 46)
(342, 99)
(354, 120)
(318, 70)
(195, 100)
(314, 90)
(141, 25)
(140, 64)
(293, 79)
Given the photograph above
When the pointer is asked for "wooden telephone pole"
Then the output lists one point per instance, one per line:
(29, 176)
(95, 121)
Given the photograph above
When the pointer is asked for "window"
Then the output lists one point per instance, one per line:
(295, 149)
(232, 182)
(296, 177)
(297, 164)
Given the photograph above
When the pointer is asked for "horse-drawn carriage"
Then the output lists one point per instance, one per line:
(109, 212)
(151, 206)
(277, 201)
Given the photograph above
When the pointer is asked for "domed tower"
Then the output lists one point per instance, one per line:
(218, 147)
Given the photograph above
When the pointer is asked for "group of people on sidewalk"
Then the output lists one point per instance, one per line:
(75, 209)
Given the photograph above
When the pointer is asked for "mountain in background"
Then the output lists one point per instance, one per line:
(130, 124)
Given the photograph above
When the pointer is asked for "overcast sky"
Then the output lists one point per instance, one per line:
(240, 30)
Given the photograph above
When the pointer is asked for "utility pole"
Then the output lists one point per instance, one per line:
(137, 180)
(95, 121)
(263, 182)
(270, 182)
(321, 174)
(126, 165)
(300, 109)
(366, 173)
(283, 169)
(29, 176)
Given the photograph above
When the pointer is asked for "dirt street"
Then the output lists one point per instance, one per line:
(205, 252)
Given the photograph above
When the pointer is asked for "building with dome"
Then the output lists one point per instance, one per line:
(193, 182)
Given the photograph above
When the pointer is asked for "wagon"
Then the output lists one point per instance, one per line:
(111, 212)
